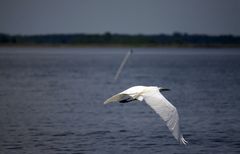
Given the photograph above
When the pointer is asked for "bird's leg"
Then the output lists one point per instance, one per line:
(164, 89)
(127, 100)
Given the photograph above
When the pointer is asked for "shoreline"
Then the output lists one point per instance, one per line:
(117, 46)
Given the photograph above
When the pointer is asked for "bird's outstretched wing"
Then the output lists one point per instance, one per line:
(167, 112)
(118, 98)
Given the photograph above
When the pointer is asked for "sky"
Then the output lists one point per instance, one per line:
(213, 17)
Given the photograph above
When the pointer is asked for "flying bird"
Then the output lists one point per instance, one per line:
(157, 102)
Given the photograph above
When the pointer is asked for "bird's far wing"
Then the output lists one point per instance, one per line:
(117, 98)
(167, 112)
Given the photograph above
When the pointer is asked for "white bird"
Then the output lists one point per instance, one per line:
(157, 102)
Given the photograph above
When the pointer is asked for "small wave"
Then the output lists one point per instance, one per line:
(39, 134)
(122, 130)
(13, 146)
(150, 144)
(133, 136)
(94, 133)
(39, 145)
(63, 134)
(157, 137)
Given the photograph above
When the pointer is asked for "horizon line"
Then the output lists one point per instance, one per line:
(129, 34)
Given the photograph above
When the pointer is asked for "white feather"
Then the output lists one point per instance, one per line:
(158, 103)
(166, 111)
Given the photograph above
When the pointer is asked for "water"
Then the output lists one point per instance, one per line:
(51, 100)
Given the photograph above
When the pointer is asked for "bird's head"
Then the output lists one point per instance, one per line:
(163, 89)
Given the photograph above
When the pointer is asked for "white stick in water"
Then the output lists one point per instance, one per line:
(122, 65)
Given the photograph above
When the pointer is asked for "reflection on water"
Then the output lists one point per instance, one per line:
(52, 100)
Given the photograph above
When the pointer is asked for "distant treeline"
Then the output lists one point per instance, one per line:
(174, 40)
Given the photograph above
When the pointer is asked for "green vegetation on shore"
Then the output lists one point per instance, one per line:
(108, 39)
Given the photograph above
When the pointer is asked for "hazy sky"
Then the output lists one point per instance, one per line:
(120, 16)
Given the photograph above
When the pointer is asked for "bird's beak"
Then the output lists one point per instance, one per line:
(164, 89)
(106, 102)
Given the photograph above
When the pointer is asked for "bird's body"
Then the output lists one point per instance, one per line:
(157, 102)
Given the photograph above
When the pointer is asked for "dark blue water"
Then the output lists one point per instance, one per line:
(51, 100)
